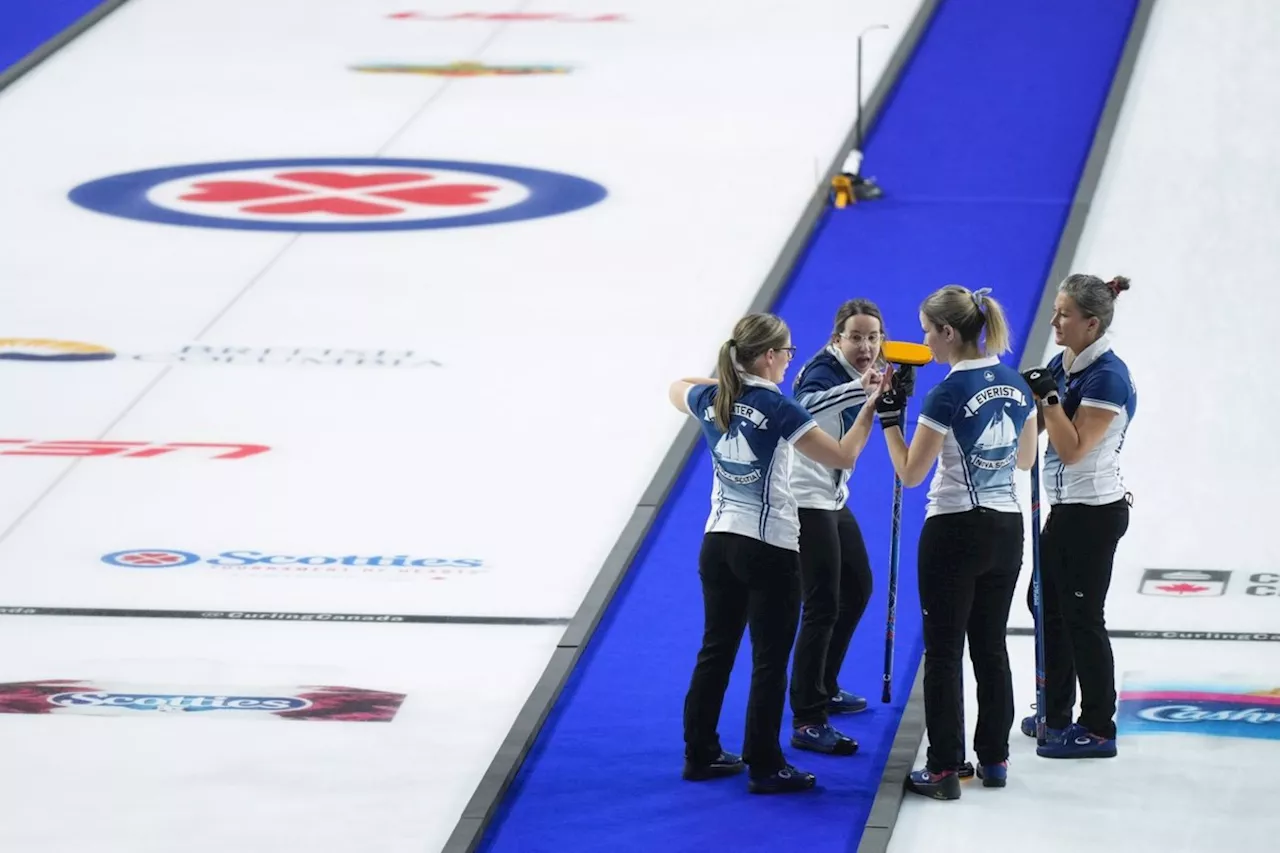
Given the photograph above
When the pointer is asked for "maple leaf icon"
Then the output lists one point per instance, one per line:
(1183, 588)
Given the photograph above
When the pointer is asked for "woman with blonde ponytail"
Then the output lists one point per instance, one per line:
(749, 563)
(978, 425)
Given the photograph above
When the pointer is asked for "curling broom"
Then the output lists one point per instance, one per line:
(913, 355)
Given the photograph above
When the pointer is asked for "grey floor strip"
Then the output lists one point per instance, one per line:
(280, 616)
(55, 44)
(480, 810)
(906, 743)
(888, 801)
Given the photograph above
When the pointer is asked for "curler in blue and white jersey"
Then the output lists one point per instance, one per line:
(751, 494)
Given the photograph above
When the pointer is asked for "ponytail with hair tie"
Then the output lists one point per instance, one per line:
(1118, 285)
(753, 335)
(956, 305)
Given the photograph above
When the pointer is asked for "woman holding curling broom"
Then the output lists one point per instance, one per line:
(1087, 400)
(977, 425)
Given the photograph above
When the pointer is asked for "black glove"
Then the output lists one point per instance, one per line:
(1042, 383)
(891, 407)
(904, 380)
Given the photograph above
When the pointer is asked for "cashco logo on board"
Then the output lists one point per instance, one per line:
(50, 351)
(345, 194)
(109, 698)
(315, 565)
(1224, 707)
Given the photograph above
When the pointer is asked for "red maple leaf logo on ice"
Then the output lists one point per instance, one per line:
(338, 192)
(1181, 588)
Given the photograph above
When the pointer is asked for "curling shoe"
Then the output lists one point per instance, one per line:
(788, 780)
(1077, 742)
(823, 738)
(724, 764)
(937, 786)
(845, 702)
(994, 775)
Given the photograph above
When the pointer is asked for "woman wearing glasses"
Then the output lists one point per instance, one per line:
(835, 572)
(749, 563)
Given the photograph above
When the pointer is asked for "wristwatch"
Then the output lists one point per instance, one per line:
(1051, 399)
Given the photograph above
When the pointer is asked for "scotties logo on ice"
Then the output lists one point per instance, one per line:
(176, 702)
(1228, 707)
(93, 698)
(337, 194)
(258, 563)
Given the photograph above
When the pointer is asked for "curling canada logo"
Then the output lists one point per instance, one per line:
(1209, 583)
(1184, 583)
(93, 698)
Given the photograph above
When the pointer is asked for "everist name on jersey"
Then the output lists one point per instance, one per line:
(995, 392)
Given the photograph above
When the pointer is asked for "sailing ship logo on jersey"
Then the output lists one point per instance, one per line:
(733, 450)
(996, 448)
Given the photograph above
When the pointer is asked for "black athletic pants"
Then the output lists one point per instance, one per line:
(835, 577)
(1077, 552)
(968, 571)
(745, 583)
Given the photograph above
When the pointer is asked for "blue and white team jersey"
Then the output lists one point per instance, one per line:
(981, 408)
(1096, 378)
(830, 389)
(751, 495)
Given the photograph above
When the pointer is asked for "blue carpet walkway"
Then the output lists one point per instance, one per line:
(980, 151)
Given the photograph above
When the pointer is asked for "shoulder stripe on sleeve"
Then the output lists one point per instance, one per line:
(823, 398)
(933, 425)
(804, 427)
(1101, 404)
(852, 397)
